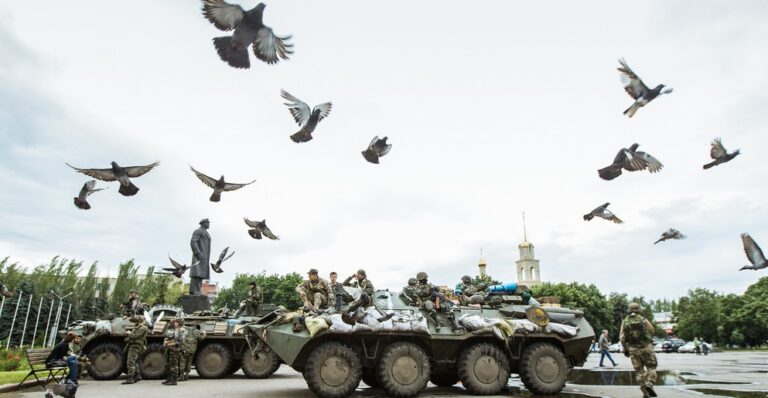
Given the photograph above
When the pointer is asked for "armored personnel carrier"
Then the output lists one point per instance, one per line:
(223, 352)
(401, 353)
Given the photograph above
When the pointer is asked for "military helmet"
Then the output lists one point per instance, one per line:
(312, 271)
(412, 281)
(421, 275)
(180, 320)
(635, 307)
(362, 272)
(466, 279)
(526, 295)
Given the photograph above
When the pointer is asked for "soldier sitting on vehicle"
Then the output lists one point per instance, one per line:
(430, 298)
(315, 292)
(251, 305)
(172, 343)
(362, 282)
(340, 295)
(408, 294)
(637, 339)
(136, 344)
(132, 306)
(188, 348)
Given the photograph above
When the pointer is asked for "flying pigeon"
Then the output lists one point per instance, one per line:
(259, 228)
(178, 270)
(304, 117)
(670, 234)
(222, 258)
(376, 149)
(603, 213)
(637, 89)
(719, 153)
(248, 29)
(88, 188)
(631, 160)
(754, 254)
(120, 174)
(219, 185)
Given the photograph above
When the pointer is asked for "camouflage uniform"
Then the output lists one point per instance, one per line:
(318, 293)
(131, 307)
(252, 303)
(426, 300)
(366, 287)
(173, 339)
(341, 296)
(408, 294)
(468, 289)
(188, 347)
(136, 344)
(637, 338)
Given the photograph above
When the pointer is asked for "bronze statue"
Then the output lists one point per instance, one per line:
(201, 255)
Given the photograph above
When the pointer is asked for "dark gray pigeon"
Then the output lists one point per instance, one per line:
(630, 159)
(670, 234)
(637, 89)
(119, 174)
(603, 213)
(376, 149)
(259, 228)
(219, 185)
(719, 153)
(88, 188)
(222, 258)
(248, 29)
(754, 254)
(304, 117)
(178, 270)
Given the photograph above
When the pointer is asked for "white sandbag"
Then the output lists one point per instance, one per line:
(476, 322)
(385, 326)
(361, 327)
(562, 329)
(401, 323)
(419, 324)
(338, 325)
(103, 327)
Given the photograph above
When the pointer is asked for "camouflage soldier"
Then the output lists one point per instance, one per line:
(136, 344)
(172, 343)
(360, 280)
(315, 292)
(188, 347)
(131, 307)
(430, 298)
(250, 306)
(408, 294)
(637, 339)
(341, 296)
(468, 289)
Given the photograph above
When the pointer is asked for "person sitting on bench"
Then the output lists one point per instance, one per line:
(62, 356)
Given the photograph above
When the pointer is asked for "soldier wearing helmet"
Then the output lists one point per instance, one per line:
(136, 345)
(467, 289)
(175, 335)
(430, 299)
(408, 294)
(637, 339)
(315, 292)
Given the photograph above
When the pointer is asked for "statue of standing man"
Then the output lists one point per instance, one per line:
(201, 255)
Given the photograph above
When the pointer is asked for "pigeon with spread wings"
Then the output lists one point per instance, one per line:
(178, 270)
(376, 149)
(719, 153)
(219, 185)
(630, 159)
(604, 213)
(304, 117)
(754, 254)
(88, 188)
(222, 258)
(670, 234)
(122, 175)
(259, 228)
(637, 89)
(249, 29)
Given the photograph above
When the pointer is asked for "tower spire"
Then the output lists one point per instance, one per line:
(525, 233)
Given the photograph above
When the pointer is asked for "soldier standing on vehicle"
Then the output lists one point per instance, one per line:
(429, 299)
(339, 294)
(188, 348)
(252, 304)
(637, 339)
(409, 293)
(172, 343)
(136, 344)
(360, 280)
(315, 292)
(131, 307)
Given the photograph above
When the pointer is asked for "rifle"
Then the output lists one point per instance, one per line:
(440, 298)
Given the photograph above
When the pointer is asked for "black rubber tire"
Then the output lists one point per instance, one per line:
(213, 361)
(484, 369)
(543, 369)
(444, 379)
(327, 357)
(153, 362)
(370, 379)
(261, 368)
(107, 361)
(233, 369)
(404, 369)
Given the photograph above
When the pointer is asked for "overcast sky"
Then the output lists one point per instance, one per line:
(492, 108)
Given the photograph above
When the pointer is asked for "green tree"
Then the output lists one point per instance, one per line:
(751, 319)
(697, 315)
(277, 289)
(85, 299)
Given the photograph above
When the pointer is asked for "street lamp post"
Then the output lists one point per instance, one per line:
(55, 328)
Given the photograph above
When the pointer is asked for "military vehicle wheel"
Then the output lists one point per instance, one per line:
(233, 369)
(107, 361)
(543, 369)
(153, 363)
(260, 368)
(213, 361)
(444, 379)
(484, 369)
(369, 378)
(333, 371)
(404, 369)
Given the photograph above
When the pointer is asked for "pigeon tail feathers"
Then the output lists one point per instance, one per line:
(216, 196)
(631, 110)
(128, 190)
(231, 54)
(255, 234)
(589, 217)
(610, 172)
(301, 137)
(711, 164)
(660, 240)
(82, 204)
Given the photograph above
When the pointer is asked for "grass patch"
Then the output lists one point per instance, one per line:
(12, 377)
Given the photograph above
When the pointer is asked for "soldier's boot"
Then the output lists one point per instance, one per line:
(168, 380)
(129, 380)
(644, 389)
(172, 381)
(455, 324)
(137, 378)
(433, 315)
(651, 391)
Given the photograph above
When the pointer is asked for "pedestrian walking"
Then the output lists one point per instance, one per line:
(604, 344)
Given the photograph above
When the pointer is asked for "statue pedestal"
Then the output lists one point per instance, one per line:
(192, 303)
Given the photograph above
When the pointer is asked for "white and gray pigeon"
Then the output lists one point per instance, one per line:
(754, 254)
(670, 234)
(719, 154)
(259, 228)
(122, 175)
(219, 185)
(376, 149)
(248, 30)
(630, 159)
(222, 258)
(637, 89)
(81, 201)
(604, 213)
(306, 118)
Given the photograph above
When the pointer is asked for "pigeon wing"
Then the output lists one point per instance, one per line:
(175, 264)
(271, 48)
(100, 174)
(228, 257)
(632, 83)
(651, 162)
(385, 150)
(252, 224)
(325, 110)
(204, 178)
(753, 251)
(86, 189)
(373, 142)
(231, 186)
(718, 150)
(223, 15)
(138, 171)
(299, 110)
(268, 233)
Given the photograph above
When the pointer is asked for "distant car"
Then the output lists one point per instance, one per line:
(659, 347)
(672, 345)
(615, 348)
(689, 347)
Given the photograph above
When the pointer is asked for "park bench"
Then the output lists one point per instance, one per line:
(36, 359)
